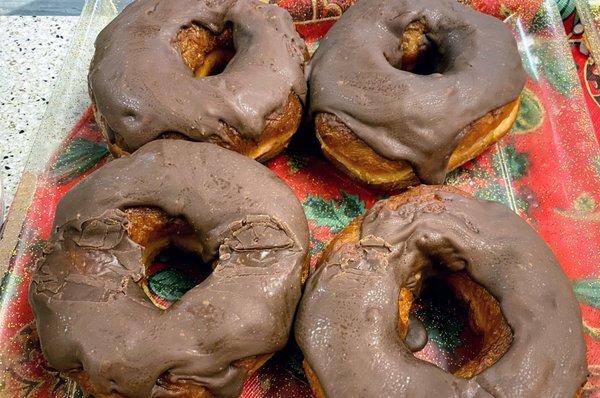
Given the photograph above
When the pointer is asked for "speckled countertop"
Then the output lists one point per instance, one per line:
(31, 55)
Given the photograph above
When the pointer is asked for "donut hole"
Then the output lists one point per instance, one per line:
(420, 55)
(171, 254)
(467, 332)
(173, 272)
(204, 52)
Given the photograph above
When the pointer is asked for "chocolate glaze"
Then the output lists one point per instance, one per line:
(142, 88)
(346, 324)
(91, 314)
(355, 75)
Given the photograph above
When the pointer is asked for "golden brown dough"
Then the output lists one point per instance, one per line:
(357, 159)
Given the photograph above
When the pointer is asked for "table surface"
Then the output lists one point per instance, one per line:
(33, 50)
(35, 35)
(41, 7)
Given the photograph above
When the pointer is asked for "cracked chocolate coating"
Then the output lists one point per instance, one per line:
(355, 75)
(347, 320)
(92, 315)
(142, 88)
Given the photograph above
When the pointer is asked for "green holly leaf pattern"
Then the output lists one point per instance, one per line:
(540, 21)
(454, 177)
(583, 208)
(79, 156)
(543, 57)
(8, 286)
(588, 291)
(531, 114)
(79, 393)
(316, 246)
(507, 162)
(566, 7)
(584, 203)
(335, 214)
(445, 335)
(442, 315)
(296, 162)
(494, 192)
(170, 284)
(507, 165)
(499, 193)
(291, 358)
(463, 174)
(312, 47)
(36, 246)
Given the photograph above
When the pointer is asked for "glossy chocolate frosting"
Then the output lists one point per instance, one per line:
(92, 315)
(347, 320)
(142, 87)
(355, 75)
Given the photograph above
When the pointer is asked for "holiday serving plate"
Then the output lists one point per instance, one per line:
(547, 170)
(589, 11)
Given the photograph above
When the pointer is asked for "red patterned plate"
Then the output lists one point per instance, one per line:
(547, 170)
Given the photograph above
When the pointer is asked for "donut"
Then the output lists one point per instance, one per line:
(402, 91)
(352, 316)
(98, 327)
(227, 72)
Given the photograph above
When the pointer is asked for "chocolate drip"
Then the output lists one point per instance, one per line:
(142, 87)
(92, 315)
(355, 75)
(347, 321)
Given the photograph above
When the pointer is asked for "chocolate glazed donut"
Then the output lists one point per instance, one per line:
(226, 71)
(348, 320)
(98, 327)
(403, 90)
